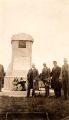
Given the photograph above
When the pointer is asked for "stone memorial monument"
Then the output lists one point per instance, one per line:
(21, 59)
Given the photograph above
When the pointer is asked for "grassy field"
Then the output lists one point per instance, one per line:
(56, 108)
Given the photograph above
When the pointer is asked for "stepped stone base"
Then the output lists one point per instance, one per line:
(23, 93)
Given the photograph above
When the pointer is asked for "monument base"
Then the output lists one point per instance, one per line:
(8, 82)
(24, 93)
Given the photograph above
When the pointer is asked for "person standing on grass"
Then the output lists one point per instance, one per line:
(46, 78)
(55, 83)
(2, 74)
(31, 77)
(65, 78)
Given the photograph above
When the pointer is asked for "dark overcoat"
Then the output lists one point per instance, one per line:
(2, 74)
(31, 76)
(65, 76)
(55, 84)
(45, 75)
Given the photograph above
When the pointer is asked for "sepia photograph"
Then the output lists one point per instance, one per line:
(34, 59)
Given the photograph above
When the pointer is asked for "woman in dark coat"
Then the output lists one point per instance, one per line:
(55, 84)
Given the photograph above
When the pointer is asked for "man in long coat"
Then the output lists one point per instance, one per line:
(46, 78)
(31, 77)
(65, 78)
(2, 74)
(55, 84)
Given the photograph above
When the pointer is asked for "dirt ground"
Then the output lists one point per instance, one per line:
(57, 108)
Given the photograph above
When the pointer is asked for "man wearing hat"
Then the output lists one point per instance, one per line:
(65, 78)
(55, 84)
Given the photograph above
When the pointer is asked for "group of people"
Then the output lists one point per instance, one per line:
(57, 79)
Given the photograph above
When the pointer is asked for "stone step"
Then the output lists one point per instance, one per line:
(23, 93)
(14, 93)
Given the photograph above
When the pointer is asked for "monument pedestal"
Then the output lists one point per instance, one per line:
(21, 59)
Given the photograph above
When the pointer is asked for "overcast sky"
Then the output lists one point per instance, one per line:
(46, 20)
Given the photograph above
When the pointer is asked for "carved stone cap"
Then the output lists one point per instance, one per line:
(22, 36)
